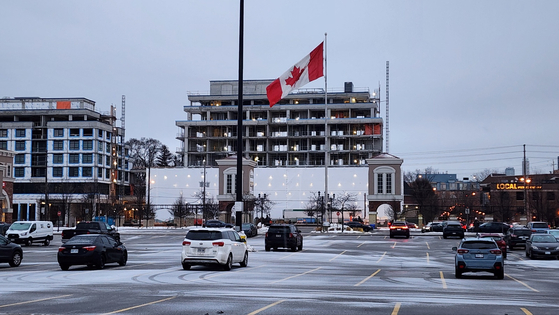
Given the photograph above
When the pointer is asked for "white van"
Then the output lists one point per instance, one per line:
(28, 232)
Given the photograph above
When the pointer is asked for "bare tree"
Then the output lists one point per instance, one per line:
(179, 210)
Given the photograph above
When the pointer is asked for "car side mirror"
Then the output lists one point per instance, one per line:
(298, 231)
(243, 240)
(454, 248)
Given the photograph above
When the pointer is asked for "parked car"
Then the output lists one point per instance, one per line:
(3, 228)
(399, 228)
(538, 227)
(437, 227)
(453, 228)
(517, 236)
(284, 236)
(426, 227)
(554, 233)
(499, 239)
(250, 229)
(29, 232)
(91, 250)
(358, 225)
(213, 246)
(217, 224)
(493, 227)
(542, 245)
(411, 225)
(478, 254)
(10, 252)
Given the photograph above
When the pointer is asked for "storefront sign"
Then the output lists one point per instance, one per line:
(515, 186)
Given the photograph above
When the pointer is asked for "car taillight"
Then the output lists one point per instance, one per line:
(533, 231)
(463, 251)
(404, 227)
(266, 234)
(290, 235)
(513, 235)
(218, 244)
(61, 249)
(495, 251)
(89, 248)
(184, 243)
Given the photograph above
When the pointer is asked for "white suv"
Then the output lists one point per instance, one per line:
(208, 246)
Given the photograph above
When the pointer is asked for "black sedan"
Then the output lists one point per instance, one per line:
(358, 225)
(542, 245)
(91, 250)
(492, 227)
(250, 229)
(217, 224)
(10, 253)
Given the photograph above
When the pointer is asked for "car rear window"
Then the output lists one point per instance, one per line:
(279, 229)
(540, 225)
(478, 245)
(204, 235)
(81, 239)
(399, 224)
(522, 232)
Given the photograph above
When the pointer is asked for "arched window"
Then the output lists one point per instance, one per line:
(384, 180)
(230, 177)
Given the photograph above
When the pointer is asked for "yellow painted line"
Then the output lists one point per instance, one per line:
(304, 273)
(440, 238)
(381, 257)
(35, 301)
(527, 312)
(141, 305)
(360, 244)
(338, 255)
(369, 277)
(428, 247)
(396, 309)
(524, 284)
(284, 257)
(266, 307)
(427, 258)
(394, 245)
(442, 279)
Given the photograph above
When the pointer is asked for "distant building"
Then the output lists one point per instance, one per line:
(64, 149)
(7, 184)
(292, 133)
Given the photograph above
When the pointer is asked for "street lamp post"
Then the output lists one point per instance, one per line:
(261, 200)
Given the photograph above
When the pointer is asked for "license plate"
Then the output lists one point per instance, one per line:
(399, 229)
(453, 232)
(548, 253)
(524, 237)
(278, 235)
(201, 250)
(12, 239)
(73, 251)
(479, 255)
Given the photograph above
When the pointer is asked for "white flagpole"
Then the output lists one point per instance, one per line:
(326, 139)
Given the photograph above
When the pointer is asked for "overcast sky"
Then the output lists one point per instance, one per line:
(470, 81)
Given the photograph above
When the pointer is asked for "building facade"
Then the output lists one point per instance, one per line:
(65, 152)
(301, 130)
(7, 182)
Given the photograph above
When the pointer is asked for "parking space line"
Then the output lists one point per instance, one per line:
(284, 257)
(35, 301)
(141, 305)
(443, 280)
(297, 275)
(338, 255)
(381, 257)
(266, 307)
(361, 244)
(527, 312)
(428, 247)
(427, 258)
(369, 277)
(524, 284)
(394, 245)
(396, 309)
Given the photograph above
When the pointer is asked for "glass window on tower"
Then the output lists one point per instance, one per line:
(58, 132)
(58, 158)
(20, 145)
(73, 171)
(57, 172)
(58, 145)
(20, 133)
(19, 159)
(3, 145)
(19, 171)
(74, 158)
(88, 145)
(74, 145)
(87, 158)
(87, 171)
(3, 133)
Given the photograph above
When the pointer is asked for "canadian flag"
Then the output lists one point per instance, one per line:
(307, 70)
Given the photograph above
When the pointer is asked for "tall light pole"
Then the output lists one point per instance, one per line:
(203, 193)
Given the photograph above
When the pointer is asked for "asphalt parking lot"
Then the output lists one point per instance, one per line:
(357, 273)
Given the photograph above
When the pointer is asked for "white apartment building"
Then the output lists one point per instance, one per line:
(64, 149)
(301, 130)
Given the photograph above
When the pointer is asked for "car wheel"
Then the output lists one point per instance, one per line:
(500, 274)
(101, 262)
(185, 266)
(28, 242)
(408, 236)
(64, 267)
(229, 264)
(504, 255)
(267, 248)
(16, 259)
(457, 273)
(294, 248)
(391, 235)
(123, 259)
(531, 255)
(444, 236)
(300, 246)
(244, 263)
(511, 247)
(46, 242)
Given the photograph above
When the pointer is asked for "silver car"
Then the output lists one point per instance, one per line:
(479, 254)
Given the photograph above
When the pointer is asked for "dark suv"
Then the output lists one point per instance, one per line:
(517, 236)
(283, 235)
(452, 228)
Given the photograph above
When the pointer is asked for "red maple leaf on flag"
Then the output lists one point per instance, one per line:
(295, 75)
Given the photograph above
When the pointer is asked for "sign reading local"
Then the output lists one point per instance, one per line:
(515, 186)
